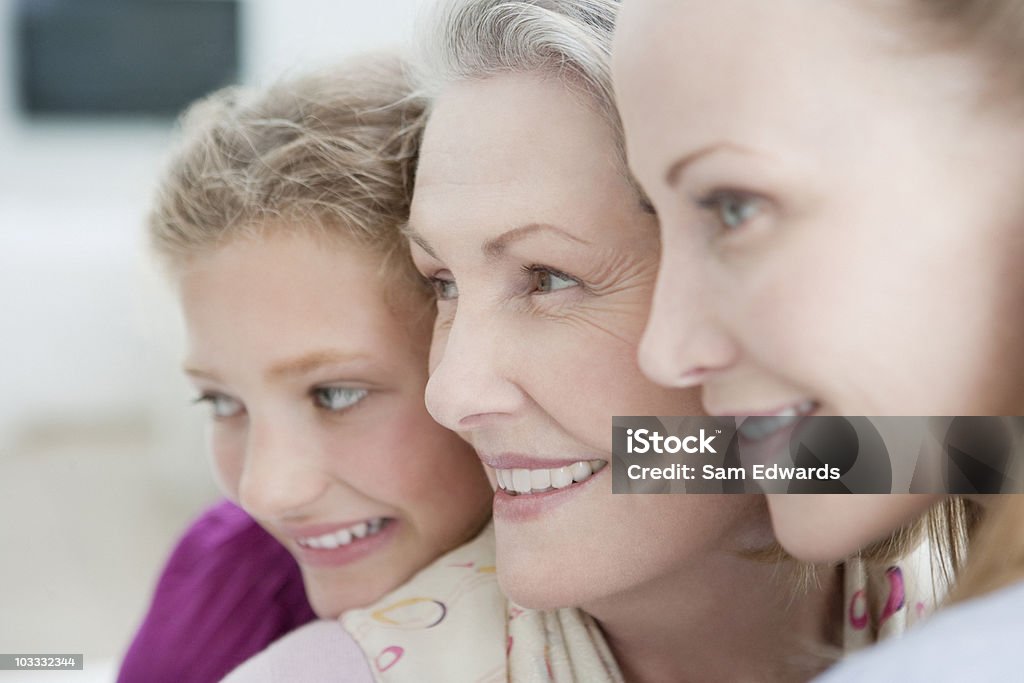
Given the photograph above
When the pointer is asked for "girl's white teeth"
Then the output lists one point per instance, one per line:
(521, 481)
(341, 537)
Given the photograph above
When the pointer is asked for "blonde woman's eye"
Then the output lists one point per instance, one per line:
(444, 290)
(731, 209)
(338, 398)
(222, 406)
(544, 280)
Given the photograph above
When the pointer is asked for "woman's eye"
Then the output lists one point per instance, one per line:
(444, 290)
(338, 398)
(544, 280)
(731, 209)
(221, 406)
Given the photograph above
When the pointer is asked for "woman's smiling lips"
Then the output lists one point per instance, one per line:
(527, 486)
(757, 426)
(764, 437)
(332, 545)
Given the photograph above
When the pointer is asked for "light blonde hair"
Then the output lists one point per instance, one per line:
(993, 32)
(997, 558)
(330, 153)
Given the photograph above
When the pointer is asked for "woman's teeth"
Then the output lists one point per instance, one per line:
(341, 537)
(522, 481)
(761, 426)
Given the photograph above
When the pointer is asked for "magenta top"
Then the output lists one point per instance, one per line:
(228, 590)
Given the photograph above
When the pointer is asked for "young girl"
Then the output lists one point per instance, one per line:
(308, 331)
(838, 186)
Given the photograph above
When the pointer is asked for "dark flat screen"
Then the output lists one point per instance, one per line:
(123, 57)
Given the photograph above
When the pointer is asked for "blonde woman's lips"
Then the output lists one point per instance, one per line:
(759, 426)
(764, 438)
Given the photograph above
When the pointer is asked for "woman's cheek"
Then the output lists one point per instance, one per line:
(438, 342)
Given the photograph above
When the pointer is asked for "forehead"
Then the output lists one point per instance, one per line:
(283, 290)
(513, 147)
(769, 75)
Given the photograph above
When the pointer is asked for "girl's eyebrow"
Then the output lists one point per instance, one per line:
(312, 361)
(292, 367)
(192, 371)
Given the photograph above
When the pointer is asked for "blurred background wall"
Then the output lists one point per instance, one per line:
(102, 459)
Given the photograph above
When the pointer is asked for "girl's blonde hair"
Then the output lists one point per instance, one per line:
(330, 153)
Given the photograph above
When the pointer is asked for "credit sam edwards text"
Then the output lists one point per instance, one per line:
(641, 441)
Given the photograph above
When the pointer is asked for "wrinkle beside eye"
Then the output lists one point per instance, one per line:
(625, 326)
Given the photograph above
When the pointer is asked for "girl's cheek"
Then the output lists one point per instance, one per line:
(227, 452)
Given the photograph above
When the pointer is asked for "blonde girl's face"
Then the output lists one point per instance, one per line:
(841, 220)
(318, 428)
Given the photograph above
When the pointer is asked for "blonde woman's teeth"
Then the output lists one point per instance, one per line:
(341, 537)
(521, 481)
(759, 427)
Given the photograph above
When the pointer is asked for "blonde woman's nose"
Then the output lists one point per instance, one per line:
(684, 342)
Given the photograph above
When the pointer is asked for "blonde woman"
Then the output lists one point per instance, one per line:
(851, 218)
(308, 331)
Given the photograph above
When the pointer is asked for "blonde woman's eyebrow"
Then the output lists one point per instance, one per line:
(679, 166)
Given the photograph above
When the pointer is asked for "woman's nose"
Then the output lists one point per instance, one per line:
(472, 382)
(685, 341)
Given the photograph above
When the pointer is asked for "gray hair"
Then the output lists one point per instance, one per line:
(460, 40)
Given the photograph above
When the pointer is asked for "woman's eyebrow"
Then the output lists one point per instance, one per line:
(679, 166)
(495, 247)
(410, 233)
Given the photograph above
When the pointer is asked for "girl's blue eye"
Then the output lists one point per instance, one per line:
(221, 406)
(444, 290)
(544, 280)
(731, 209)
(338, 398)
